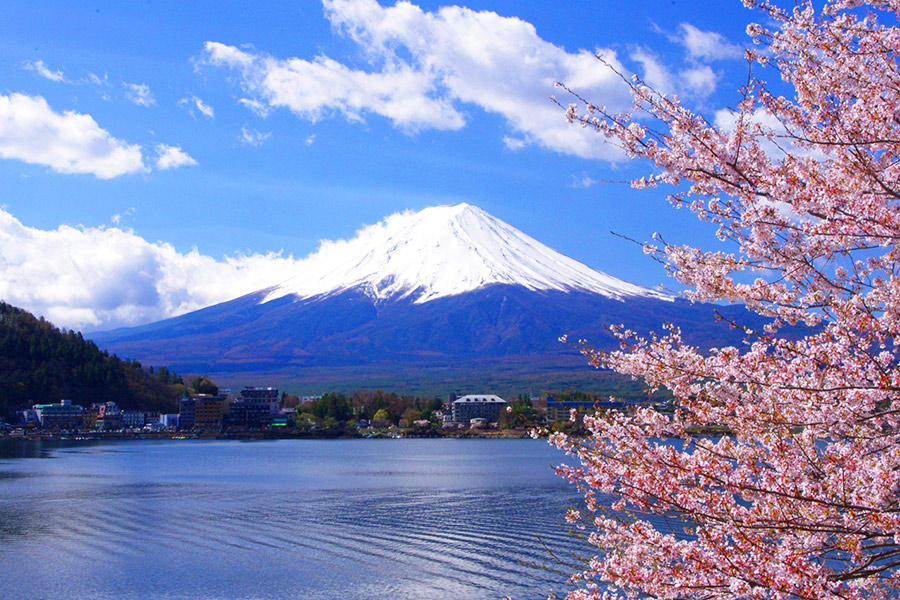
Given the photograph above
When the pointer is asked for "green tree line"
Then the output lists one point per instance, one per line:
(40, 363)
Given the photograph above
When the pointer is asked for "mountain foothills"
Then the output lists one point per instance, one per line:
(423, 301)
(40, 363)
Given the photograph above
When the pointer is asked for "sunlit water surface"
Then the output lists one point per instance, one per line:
(346, 519)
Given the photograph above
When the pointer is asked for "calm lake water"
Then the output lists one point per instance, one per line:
(342, 519)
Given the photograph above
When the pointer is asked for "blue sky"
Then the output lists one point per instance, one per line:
(156, 157)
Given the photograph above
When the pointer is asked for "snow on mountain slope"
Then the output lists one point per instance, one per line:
(443, 251)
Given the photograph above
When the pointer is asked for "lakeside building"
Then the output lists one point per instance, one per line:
(209, 411)
(561, 410)
(27, 417)
(186, 413)
(90, 417)
(103, 417)
(263, 395)
(109, 416)
(255, 408)
(134, 419)
(63, 415)
(477, 406)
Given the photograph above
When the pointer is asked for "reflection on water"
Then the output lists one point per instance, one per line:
(367, 519)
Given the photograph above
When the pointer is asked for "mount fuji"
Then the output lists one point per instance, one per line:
(427, 299)
(440, 252)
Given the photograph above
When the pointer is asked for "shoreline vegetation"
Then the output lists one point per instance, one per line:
(321, 434)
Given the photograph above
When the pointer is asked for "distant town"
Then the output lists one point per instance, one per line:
(252, 411)
(54, 383)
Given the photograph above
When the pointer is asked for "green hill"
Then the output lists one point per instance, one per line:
(40, 363)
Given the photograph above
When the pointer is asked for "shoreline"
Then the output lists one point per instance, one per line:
(265, 435)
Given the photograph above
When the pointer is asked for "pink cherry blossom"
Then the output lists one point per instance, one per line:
(801, 498)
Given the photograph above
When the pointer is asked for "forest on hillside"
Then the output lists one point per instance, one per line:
(40, 363)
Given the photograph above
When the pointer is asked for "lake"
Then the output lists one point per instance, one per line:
(318, 519)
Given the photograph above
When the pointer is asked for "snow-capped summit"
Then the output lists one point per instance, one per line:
(444, 251)
(448, 295)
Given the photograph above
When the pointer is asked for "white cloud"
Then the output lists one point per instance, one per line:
(699, 81)
(102, 84)
(170, 157)
(260, 108)
(696, 81)
(139, 93)
(424, 66)
(706, 45)
(193, 102)
(313, 88)
(44, 71)
(100, 278)
(251, 137)
(583, 182)
(513, 143)
(96, 80)
(229, 55)
(204, 108)
(655, 73)
(67, 143)
(119, 219)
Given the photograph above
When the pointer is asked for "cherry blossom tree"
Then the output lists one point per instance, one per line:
(801, 497)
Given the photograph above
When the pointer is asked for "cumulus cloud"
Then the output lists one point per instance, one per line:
(44, 71)
(697, 79)
(139, 93)
(424, 67)
(193, 102)
(70, 142)
(171, 157)
(100, 278)
(312, 88)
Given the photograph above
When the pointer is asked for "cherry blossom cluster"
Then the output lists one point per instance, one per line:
(800, 498)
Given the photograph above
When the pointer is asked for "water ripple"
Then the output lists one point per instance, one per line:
(160, 527)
